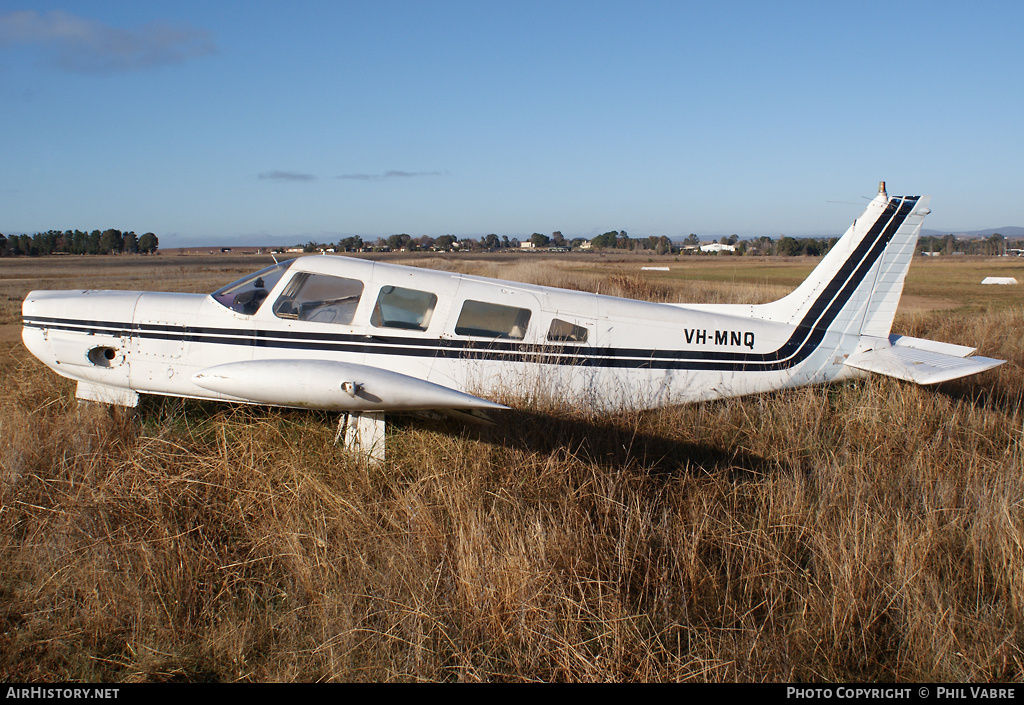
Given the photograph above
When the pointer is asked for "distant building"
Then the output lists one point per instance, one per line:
(717, 247)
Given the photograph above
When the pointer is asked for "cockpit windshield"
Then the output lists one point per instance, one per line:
(247, 294)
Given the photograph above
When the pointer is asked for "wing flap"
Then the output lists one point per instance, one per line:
(918, 365)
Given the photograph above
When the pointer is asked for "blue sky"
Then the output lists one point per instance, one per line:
(285, 122)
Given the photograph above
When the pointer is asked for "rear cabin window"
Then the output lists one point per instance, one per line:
(492, 320)
(565, 332)
(403, 308)
(319, 298)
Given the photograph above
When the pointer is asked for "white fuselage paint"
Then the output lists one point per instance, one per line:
(258, 340)
(159, 341)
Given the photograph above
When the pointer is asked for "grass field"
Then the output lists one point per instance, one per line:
(870, 531)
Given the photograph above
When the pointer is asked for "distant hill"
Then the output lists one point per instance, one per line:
(1010, 232)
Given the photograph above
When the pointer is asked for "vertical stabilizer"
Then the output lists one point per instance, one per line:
(857, 286)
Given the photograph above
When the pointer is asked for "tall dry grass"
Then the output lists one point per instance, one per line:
(625, 280)
(866, 531)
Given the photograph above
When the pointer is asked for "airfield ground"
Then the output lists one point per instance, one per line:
(864, 531)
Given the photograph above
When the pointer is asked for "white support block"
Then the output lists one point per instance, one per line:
(87, 391)
(362, 433)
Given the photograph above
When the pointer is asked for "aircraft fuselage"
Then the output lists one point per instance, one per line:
(361, 336)
(519, 339)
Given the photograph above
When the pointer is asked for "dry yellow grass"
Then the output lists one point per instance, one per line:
(868, 531)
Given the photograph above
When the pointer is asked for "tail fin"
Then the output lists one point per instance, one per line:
(857, 286)
(856, 289)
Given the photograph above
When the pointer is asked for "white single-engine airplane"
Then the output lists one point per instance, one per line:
(364, 337)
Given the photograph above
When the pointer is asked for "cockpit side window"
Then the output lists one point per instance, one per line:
(319, 298)
(247, 294)
(403, 308)
(492, 320)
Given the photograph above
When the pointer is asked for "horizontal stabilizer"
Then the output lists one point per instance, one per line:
(920, 365)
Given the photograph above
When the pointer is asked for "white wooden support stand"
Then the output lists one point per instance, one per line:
(362, 433)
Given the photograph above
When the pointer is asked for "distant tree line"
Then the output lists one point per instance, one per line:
(763, 246)
(613, 239)
(443, 243)
(994, 245)
(804, 246)
(620, 240)
(409, 243)
(78, 242)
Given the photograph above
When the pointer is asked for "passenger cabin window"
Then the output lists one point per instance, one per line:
(492, 320)
(247, 294)
(565, 332)
(319, 298)
(403, 308)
